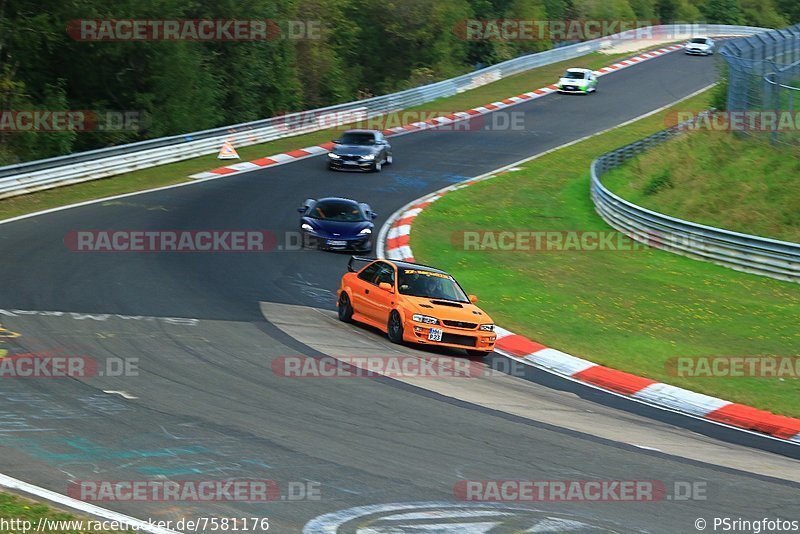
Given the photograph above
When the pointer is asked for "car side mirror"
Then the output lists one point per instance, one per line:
(473, 299)
(373, 215)
(386, 286)
(302, 209)
(336, 141)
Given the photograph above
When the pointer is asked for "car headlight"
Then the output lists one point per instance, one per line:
(419, 318)
(368, 157)
(334, 156)
(487, 327)
(307, 227)
(365, 231)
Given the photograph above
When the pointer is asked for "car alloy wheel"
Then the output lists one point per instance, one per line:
(395, 328)
(345, 309)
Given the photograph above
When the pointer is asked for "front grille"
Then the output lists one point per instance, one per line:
(351, 158)
(461, 324)
(456, 339)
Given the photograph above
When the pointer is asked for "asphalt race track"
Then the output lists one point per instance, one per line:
(206, 403)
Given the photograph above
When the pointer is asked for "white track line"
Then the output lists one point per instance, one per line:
(74, 504)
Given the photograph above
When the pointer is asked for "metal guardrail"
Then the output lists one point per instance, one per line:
(64, 170)
(743, 252)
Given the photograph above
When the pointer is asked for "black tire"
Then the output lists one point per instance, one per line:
(377, 166)
(394, 329)
(477, 353)
(345, 308)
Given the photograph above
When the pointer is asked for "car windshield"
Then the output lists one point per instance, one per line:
(359, 138)
(336, 210)
(698, 40)
(422, 283)
(570, 75)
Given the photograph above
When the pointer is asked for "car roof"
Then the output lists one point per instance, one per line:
(700, 37)
(362, 131)
(579, 70)
(338, 199)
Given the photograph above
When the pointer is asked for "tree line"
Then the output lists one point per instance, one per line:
(361, 48)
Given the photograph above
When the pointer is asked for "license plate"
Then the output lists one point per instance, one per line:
(435, 334)
(337, 243)
(348, 162)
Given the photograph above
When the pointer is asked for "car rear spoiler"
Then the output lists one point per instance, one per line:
(362, 259)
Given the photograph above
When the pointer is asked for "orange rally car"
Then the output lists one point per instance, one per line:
(416, 303)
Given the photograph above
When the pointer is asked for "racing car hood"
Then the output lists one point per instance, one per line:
(573, 81)
(697, 46)
(355, 150)
(336, 229)
(448, 310)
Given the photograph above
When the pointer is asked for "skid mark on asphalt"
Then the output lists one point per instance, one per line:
(420, 180)
(101, 317)
(145, 207)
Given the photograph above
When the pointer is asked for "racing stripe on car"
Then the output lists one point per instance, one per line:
(294, 155)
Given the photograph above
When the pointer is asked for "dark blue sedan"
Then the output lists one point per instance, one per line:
(337, 224)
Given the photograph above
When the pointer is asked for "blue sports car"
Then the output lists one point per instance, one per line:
(337, 224)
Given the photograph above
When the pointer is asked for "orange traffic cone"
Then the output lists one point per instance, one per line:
(227, 151)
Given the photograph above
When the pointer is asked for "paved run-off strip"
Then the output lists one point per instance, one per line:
(294, 155)
(395, 244)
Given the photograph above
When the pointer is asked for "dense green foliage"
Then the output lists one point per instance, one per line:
(365, 47)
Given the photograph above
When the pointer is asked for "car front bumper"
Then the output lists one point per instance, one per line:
(455, 338)
(573, 89)
(697, 52)
(358, 244)
(351, 165)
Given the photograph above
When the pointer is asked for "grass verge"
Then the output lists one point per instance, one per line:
(630, 310)
(719, 179)
(14, 508)
(178, 172)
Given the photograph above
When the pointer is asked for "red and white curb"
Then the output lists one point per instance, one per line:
(394, 243)
(307, 152)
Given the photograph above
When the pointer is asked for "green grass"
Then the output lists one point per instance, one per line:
(720, 179)
(630, 310)
(13, 507)
(178, 172)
